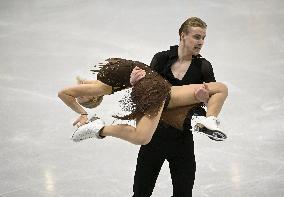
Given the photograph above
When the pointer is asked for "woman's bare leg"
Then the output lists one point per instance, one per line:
(184, 95)
(218, 93)
(140, 135)
(176, 116)
(180, 96)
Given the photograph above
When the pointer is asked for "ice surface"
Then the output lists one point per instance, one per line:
(44, 45)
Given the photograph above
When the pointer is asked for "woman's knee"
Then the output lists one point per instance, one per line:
(223, 88)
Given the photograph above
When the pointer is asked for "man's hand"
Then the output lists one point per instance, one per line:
(202, 93)
(136, 74)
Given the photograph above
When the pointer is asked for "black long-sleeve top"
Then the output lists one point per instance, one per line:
(198, 72)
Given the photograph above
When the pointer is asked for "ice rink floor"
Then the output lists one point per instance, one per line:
(44, 45)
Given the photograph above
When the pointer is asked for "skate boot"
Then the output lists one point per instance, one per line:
(209, 126)
(90, 130)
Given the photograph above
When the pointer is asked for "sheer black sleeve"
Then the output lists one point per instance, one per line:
(156, 63)
(207, 71)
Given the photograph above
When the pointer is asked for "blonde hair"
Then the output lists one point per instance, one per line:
(92, 103)
(191, 22)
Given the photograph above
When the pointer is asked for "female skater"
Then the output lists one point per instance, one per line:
(149, 97)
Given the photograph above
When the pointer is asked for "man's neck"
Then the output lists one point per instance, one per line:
(183, 55)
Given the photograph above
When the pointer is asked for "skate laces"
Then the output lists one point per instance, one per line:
(94, 117)
(217, 122)
(214, 119)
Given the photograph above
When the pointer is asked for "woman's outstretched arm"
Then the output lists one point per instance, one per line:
(69, 95)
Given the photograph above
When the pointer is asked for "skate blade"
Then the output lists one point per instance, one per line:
(212, 134)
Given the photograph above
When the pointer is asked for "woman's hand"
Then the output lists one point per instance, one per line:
(202, 93)
(81, 120)
(80, 80)
(136, 74)
(85, 81)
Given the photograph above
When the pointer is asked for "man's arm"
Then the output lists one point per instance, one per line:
(156, 63)
(207, 71)
(139, 73)
(208, 76)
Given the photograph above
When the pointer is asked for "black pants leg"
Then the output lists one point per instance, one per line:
(149, 162)
(182, 167)
(178, 148)
(182, 159)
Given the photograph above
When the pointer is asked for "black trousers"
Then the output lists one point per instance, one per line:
(175, 146)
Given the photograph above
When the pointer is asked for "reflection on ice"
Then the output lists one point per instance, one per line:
(49, 182)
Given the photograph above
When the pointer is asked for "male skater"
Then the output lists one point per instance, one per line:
(180, 65)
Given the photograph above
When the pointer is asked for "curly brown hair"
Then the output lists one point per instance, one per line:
(147, 95)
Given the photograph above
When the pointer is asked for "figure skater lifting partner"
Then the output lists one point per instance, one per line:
(149, 97)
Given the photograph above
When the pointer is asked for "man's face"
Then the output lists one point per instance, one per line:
(194, 39)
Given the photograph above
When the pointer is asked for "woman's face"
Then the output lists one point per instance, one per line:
(84, 99)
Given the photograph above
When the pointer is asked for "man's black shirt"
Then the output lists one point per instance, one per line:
(199, 71)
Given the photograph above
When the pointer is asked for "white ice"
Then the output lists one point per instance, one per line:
(44, 45)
